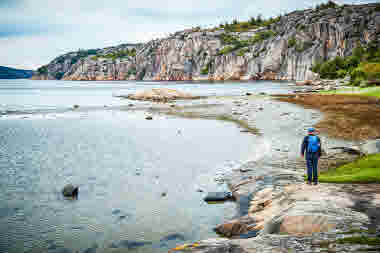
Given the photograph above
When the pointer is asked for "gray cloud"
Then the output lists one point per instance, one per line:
(12, 30)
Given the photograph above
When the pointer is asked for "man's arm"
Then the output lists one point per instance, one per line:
(320, 147)
(304, 145)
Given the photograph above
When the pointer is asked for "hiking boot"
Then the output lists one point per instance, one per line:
(308, 182)
(315, 183)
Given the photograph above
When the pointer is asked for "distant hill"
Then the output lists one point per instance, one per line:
(11, 73)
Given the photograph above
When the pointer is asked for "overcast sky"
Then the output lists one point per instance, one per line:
(33, 32)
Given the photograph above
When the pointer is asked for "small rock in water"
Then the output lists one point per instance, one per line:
(75, 106)
(248, 94)
(199, 190)
(130, 105)
(70, 191)
(122, 217)
(163, 194)
(92, 249)
(245, 169)
(173, 237)
(172, 105)
(129, 244)
(116, 211)
(149, 118)
(218, 196)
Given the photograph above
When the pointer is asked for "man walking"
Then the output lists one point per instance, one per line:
(312, 149)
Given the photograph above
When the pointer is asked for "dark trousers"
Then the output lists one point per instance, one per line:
(312, 166)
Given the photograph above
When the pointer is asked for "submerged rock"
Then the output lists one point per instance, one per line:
(218, 196)
(148, 117)
(173, 237)
(129, 244)
(70, 191)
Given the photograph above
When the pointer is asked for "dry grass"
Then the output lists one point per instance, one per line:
(346, 116)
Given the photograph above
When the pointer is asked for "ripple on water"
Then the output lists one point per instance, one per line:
(102, 154)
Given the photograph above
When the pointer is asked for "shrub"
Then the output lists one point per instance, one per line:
(132, 71)
(341, 73)
(252, 23)
(260, 36)
(329, 4)
(121, 54)
(302, 46)
(301, 27)
(141, 74)
(228, 39)
(59, 75)
(206, 69)
(243, 51)
(371, 70)
(61, 59)
(292, 42)
(74, 59)
(42, 70)
(226, 50)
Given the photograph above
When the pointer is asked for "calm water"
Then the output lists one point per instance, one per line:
(121, 162)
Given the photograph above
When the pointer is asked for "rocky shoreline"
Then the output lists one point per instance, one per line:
(279, 212)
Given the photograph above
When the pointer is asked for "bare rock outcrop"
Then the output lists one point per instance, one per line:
(194, 54)
(160, 95)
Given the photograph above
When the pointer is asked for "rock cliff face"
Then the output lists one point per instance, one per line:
(296, 41)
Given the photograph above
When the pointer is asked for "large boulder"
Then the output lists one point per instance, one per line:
(305, 224)
(232, 228)
(160, 95)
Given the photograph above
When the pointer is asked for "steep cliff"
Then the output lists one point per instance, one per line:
(283, 50)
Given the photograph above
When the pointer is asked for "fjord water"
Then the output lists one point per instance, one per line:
(122, 163)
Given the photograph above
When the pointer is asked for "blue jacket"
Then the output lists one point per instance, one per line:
(305, 143)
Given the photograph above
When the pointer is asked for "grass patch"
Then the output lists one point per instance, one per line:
(374, 93)
(355, 231)
(364, 170)
(371, 91)
(373, 241)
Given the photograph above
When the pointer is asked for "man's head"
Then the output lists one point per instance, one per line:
(311, 130)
